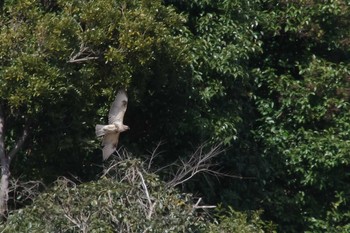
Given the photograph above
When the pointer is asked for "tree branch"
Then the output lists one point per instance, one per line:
(84, 54)
(150, 204)
(79, 60)
(24, 191)
(19, 143)
(154, 154)
(197, 206)
(199, 162)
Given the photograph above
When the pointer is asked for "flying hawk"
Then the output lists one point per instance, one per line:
(115, 125)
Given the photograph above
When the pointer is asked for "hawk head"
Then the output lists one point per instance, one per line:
(120, 127)
(124, 128)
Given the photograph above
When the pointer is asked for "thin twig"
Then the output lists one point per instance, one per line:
(27, 190)
(199, 162)
(154, 154)
(80, 223)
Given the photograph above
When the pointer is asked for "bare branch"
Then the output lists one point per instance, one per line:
(151, 205)
(197, 206)
(81, 222)
(71, 219)
(123, 155)
(80, 60)
(24, 191)
(84, 54)
(199, 162)
(145, 187)
(64, 181)
(154, 154)
(109, 169)
(19, 143)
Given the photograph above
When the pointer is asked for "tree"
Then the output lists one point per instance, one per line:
(126, 198)
(287, 65)
(5, 158)
(269, 79)
(303, 102)
(60, 65)
(226, 44)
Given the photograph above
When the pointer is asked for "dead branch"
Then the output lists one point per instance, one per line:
(151, 204)
(199, 162)
(197, 206)
(110, 167)
(123, 154)
(80, 222)
(84, 54)
(64, 181)
(154, 154)
(25, 191)
(144, 187)
(19, 143)
(130, 175)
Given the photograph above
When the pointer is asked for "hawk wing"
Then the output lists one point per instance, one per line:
(109, 143)
(118, 108)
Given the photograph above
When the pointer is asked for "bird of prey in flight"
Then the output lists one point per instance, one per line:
(110, 132)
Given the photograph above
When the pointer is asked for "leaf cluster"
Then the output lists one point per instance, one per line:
(115, 202)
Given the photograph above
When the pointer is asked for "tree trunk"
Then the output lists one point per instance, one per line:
(5, 170)
(5, 159)
(4, 189)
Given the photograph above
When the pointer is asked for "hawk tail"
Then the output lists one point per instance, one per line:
(99, 130)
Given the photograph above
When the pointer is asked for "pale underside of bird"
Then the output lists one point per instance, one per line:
(110, 132)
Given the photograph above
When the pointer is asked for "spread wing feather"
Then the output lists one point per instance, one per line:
(118, 108)
(109, 143)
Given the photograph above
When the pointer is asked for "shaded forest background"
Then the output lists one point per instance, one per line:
(269, 80)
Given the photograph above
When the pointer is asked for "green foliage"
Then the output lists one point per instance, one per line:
(125, 198)
(226, 43)
(225, 40)
(303, 102)
(235, 222)
(61, 65)
(269, 79)
(118, 201)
